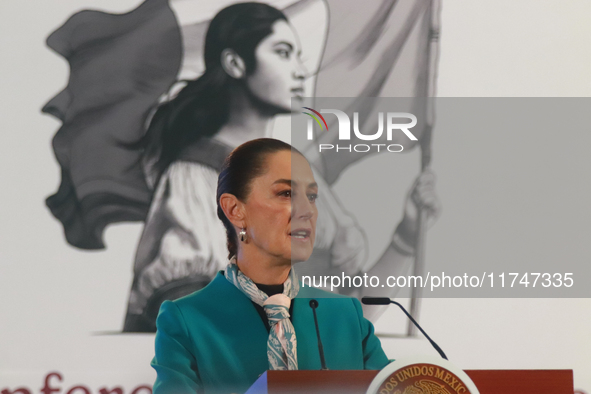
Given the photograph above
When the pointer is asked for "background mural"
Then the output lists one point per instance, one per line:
(123, 67)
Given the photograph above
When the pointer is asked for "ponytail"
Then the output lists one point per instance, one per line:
(201, 108)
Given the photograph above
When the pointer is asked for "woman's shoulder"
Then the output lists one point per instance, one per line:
(184, 178)
(214, 292)
(219, 297)
(181, 168)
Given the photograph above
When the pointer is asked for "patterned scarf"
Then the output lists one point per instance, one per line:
(282, 343)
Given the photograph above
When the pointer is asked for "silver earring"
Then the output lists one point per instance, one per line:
(242, 234)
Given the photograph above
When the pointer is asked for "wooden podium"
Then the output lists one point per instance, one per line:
(357, 382)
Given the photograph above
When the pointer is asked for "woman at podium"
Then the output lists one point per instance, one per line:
(254, 315)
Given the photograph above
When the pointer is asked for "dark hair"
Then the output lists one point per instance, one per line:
(240, 168)
(201, 108)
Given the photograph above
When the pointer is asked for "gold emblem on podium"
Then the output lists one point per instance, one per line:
(423, 379)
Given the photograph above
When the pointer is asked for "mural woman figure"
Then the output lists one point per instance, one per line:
(252, 71)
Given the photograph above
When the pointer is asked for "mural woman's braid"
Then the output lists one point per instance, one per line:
(201, 108)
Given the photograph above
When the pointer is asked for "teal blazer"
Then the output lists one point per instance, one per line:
(214, 340)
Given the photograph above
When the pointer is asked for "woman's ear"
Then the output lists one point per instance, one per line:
(233, 64)
(233, 209)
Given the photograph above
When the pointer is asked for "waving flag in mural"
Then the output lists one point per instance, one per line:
(130, 72)
(119, 67)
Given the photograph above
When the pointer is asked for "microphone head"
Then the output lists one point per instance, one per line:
(313, 304)
(375, 300)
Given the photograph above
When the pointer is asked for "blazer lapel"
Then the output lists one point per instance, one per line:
(239, 322)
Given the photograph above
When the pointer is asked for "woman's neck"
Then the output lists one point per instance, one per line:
(246, 120)
(263, 269)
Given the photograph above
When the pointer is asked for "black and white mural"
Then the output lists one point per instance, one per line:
(157, 98)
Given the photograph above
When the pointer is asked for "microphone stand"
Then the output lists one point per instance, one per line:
(386, 301)
(314, 305)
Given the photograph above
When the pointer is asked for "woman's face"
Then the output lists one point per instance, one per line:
(279, 73)
(281, 209)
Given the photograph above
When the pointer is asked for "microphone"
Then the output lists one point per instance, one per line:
(387, 301)
(314, 305)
